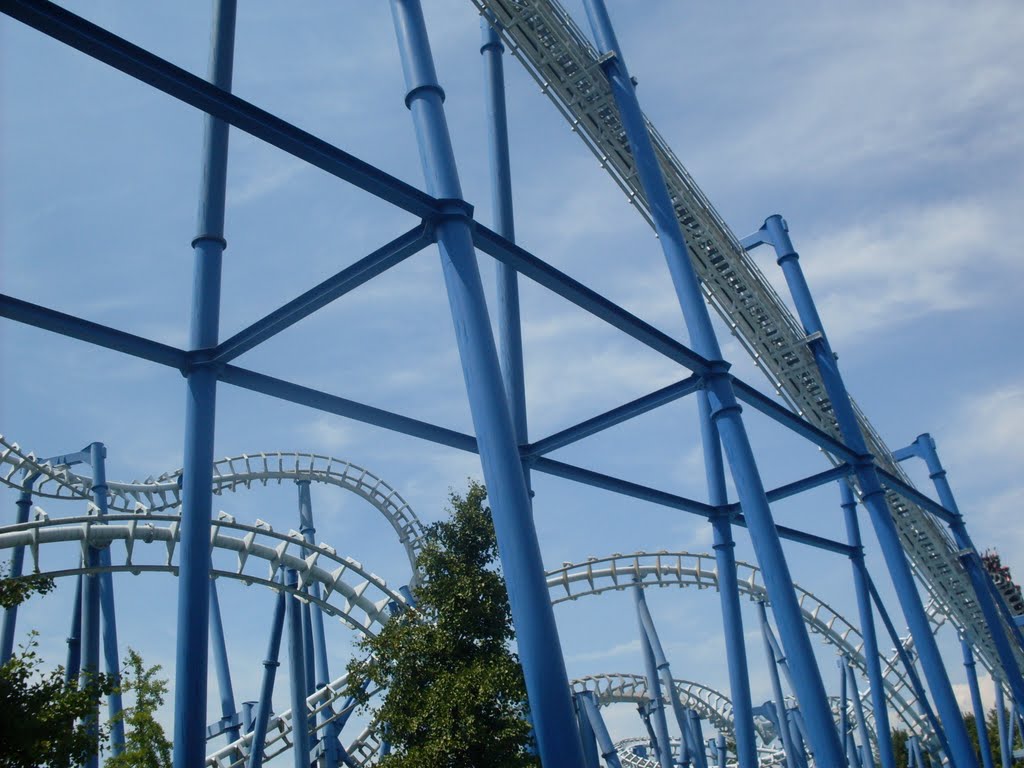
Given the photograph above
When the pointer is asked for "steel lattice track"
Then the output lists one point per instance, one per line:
(544, 38)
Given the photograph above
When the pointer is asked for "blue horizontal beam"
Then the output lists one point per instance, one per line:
(615, 416)
(803, 484)
(560, 283)
(94, 333)
(911, 493)
(139, 63)
(382, 259)
(778, 412)
(620, 486)
(321, 401)
(802, 537)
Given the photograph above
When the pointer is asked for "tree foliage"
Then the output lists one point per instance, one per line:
(146, 745)
(455, 696)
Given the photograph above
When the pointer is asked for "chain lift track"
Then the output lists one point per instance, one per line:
(548, 43)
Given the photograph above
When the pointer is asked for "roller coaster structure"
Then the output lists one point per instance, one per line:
(923, 542)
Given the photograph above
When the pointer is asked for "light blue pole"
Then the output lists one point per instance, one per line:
(924, 446)
(728, 590)
(322, 674)
(656, 709)
(776, 233)
(844, 722)
(604, 740)
(797, 737)
(720, 743)
(510, 338)
(191, 661)
(724, 407)
(587, 736)
(780, 700)
(74, 659)
(108, 618)
(915, 746)
(297, 676)
(976, 705)
(270, 665)
(24, 506)
(883, 732)
(858, 710)
(220, 660)
(1005, 747)
(699, 748)
(536, 633)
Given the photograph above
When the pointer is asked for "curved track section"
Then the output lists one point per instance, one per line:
(349, 592)
(229, 474)
(684, 569)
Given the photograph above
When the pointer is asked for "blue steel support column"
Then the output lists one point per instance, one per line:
(728, 590)
(270, 665)
(191, 661)
(924, 446)
(297, 676)
(604, 740)
(776, 233)
(1005, 748)
(725, 409)
(700, 748)
(844, 724)
(720, 744)
(587, 736)
(220, 660)
(510, 338)
(976, 705)
(91, 636)
(108, 618)
(322, 674)
(883, 733)
(74, 660)
(780, 700)
(858, 710)
(536, 633)
(24, 505)
(656, 708)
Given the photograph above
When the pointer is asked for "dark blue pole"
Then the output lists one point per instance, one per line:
(781, 715)
(510, 338)
(976, 705)
(883, 733)
(270, 665)
(844, 720)
(728, 590)
(604, 739)
(776, 233)
(924, 446)
(220, 661)
(1005, 747)
(858, 710)
(191, 661)
(587, 736)
(724, 407)
(656, 709)
(74, 660)
(297, 677)
(536, 633)
(24, 506)
(720, 744)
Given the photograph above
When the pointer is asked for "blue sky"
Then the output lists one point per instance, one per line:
(889, 135)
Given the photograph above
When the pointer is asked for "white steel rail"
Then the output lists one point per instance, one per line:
(544, 38)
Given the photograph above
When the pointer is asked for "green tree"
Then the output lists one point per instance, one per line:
(146, 745)
(455, 696)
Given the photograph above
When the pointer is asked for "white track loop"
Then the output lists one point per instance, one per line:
(766, 756)
(356, 596)
(229, 474)
(685, 569)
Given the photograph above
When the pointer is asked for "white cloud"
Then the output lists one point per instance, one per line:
(326, 433)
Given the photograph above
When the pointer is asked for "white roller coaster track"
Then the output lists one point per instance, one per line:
(544, 38)
(684, 569)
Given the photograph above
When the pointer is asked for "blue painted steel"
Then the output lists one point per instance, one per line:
(844, 721)
(588, 739)
(510, 336)
(74, 658)
(15, 569)
(776, 233)
(220, 661)
(536, 633)
(699, 749)
(883, 733)
(297, 675)
(796, 733)
(331, 289)
(270, 665)
(662, 745)
(1005, 746)
(724, 408)
(924, 446)
(200, 409)
(976, 705)
(720, 744)
(782, 718)
(322, 673)
(804, 484)
(604, 740)
(858, 710)
(615, 416)
(91, 636)
(208, 97)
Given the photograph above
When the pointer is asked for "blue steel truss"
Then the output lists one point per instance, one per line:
(592, 87)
